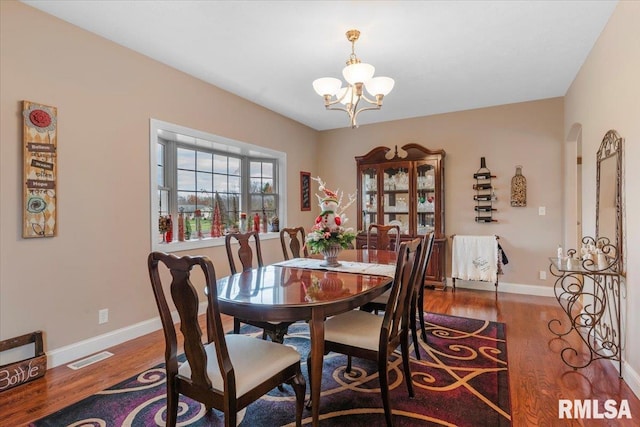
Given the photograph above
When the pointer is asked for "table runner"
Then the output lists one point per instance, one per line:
(388, 270)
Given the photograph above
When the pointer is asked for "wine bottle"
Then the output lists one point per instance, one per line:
(484, 208)
(485, 219)
(486, 186)
(482, 197)
(483, 175)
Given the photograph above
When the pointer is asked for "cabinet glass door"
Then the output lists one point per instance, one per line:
(426, 198)
(369, 194)
(396, 197)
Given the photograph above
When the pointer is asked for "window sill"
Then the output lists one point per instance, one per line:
(207, 242)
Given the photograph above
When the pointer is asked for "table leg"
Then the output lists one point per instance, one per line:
(316, 329)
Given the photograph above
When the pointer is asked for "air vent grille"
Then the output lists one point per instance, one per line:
(79, 364)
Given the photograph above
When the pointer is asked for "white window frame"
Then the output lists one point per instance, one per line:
(197, 138)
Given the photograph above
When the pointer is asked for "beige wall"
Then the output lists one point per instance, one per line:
(528, 134)
(105, 95)
(606, 95)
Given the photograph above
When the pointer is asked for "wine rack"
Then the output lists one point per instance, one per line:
(485, 194)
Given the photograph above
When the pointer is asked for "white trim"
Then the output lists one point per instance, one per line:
(630, 376)
(80, 349)
(511, 288)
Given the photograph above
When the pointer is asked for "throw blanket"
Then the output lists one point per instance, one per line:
(346, 267)
(475, 258)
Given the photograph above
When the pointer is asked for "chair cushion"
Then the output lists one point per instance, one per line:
(355, 328)
(254, 361)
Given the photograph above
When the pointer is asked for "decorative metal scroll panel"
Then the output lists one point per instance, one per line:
(590, 296)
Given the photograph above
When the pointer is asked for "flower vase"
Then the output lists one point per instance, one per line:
(331, 255)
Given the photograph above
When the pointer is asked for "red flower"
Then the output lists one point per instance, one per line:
(40, 118)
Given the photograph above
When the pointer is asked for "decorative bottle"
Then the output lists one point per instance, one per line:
(169, 229)
(181, 226)
(264, 221)
(518, 189)
(243, 222)
(256, 223)
(198, 215)
(559, 251)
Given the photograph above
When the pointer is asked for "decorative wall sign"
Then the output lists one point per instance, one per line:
(305, 191)
(40, 170)
(17, 373)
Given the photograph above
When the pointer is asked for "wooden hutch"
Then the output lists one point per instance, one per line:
(406, 188)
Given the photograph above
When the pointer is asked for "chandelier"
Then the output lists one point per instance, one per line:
(359, 76)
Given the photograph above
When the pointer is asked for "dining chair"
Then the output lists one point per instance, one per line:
(379, 236)
(418, 306)
(293, 238)
(221, 372)
(275, 330)
(366, 335)
(417, 302)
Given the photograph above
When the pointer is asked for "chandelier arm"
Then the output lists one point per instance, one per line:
(355, 115)
(328, 102)
(378, 100)
(339, 109)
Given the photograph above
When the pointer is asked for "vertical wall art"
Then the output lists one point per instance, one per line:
(518, 189)
(40, 170)
(305, 191)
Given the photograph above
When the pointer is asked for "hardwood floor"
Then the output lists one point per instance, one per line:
(538, 378)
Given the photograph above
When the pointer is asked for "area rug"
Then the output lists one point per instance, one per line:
(461, 380)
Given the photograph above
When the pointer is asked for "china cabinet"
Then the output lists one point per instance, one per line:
(405, 188)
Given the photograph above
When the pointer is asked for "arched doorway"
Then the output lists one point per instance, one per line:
(573, 187)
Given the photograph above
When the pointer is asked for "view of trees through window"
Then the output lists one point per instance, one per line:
(193, 180)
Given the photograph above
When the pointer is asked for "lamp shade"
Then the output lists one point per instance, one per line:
(379, 85)
(358, 73)
(326, 86)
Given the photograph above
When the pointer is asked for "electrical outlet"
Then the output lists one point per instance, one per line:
(543, 275)
(103, 316)
(542, 210)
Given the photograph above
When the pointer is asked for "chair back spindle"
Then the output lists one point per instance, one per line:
(244, 252)
(379, 237)
(295, 244)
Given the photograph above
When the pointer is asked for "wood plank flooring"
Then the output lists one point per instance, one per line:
(538, 377)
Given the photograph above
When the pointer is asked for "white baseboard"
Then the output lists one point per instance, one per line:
(630, 377)
(78, 350)
(512, 288)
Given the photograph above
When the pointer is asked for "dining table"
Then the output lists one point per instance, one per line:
(304, 289)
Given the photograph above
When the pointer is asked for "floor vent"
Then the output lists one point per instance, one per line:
(79, 364)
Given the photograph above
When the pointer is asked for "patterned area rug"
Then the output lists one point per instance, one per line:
(462, 380)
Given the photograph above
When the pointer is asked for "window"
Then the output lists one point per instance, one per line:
(192, 172)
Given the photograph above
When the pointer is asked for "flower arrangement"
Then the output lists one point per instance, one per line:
(321, 238)
(328, 230)
(163, 225)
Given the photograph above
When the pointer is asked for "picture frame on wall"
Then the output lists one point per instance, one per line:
(40, 170)
(305, 191)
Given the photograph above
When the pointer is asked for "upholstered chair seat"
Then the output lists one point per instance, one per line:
(355, 328)
(247, 353)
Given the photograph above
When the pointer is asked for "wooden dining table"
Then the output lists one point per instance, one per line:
(287, 294)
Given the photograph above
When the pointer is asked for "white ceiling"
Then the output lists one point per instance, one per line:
(444, 55)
